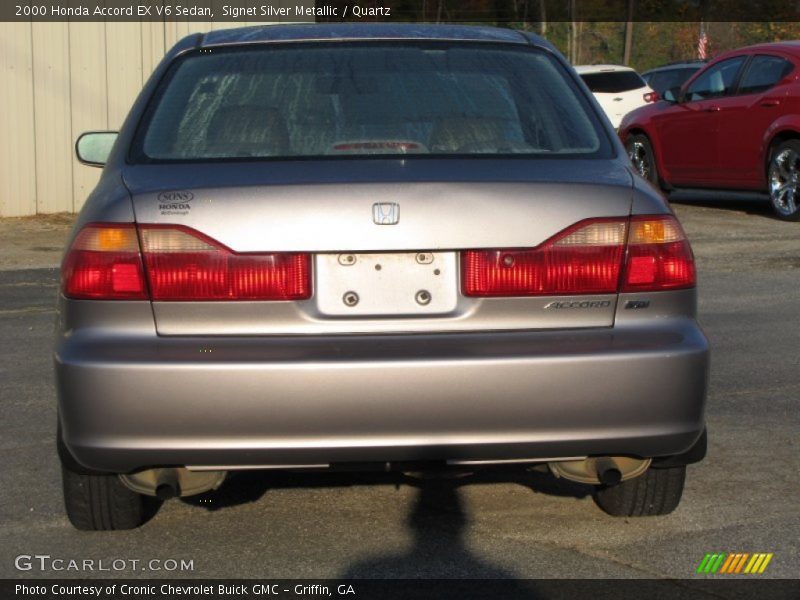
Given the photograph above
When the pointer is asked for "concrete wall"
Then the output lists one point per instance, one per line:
(58, 80)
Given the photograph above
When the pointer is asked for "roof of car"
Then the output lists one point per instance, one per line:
(790, 47)
(370, 31)
(601, 68)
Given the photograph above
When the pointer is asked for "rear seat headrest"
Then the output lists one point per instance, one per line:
(248, 129)
(452, 134)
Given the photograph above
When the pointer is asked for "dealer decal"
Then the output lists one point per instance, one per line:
(175, 203)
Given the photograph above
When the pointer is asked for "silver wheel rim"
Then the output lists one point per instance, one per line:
(783, 181)
(639, 158)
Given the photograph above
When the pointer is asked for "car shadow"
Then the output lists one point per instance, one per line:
(150, 508)
(750, 203)
(437, 523)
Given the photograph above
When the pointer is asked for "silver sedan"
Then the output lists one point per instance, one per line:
(399, 247)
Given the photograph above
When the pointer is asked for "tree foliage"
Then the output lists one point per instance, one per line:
(598, 26)
(657, 43)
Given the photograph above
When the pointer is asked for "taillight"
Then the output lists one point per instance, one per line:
(183, 264)
(103, 263)
(659, 256)
(583, 259)
(588, 258)
(651, 97)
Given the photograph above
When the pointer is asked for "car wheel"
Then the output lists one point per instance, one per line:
(641, 154)
(100, 502)
(784, 179)
(655, 492)
(96, 501)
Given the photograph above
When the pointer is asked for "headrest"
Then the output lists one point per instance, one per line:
(455, 133)
(247, 130)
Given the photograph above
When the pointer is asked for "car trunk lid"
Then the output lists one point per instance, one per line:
(405, 276)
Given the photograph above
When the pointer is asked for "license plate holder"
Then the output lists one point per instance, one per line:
(386, 284)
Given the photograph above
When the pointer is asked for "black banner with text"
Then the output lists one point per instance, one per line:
(546, 589)
(396, 11)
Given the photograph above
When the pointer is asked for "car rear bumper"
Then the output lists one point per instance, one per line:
(141, 401)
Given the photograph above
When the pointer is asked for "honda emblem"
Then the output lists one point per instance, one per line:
(386, 213)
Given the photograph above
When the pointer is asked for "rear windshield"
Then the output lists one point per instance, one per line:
(613, 82)
(667, 79)
(366, 99)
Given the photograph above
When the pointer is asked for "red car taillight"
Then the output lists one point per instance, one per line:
(651, 97)
(180, 264)
(104, 263)
(587, 258)
(659, 256)
(583, 259)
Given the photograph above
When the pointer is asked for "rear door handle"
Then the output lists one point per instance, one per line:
(770, 102)
(711, 109)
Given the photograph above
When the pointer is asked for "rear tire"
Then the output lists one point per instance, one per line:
(655, 492)
(640, 152)
(100, 502)
(783, 180)
(96, 501)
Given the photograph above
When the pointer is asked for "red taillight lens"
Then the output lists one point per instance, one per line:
(651, 97)
(182, 264)
(587, 258)
(659, 256)
(104, 263)
(584, 259)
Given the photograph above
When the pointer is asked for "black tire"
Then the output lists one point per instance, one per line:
(656, 492)
(96, 501)
(783, 188)
(640, 153)
(100, 502)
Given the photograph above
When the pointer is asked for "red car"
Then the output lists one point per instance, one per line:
(734, 125)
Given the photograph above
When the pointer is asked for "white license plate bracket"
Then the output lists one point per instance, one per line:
(386, 284)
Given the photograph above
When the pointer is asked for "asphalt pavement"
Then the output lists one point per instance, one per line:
(516, 524)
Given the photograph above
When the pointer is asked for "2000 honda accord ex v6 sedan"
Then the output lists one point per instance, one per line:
(404, 247)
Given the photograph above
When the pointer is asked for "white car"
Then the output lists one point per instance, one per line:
(618, 89)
